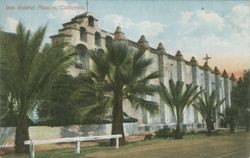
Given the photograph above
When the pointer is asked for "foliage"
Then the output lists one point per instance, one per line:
(3, 105)
(29, 70)
(63, 107)
(3, 93)
(230, 117)
(207, 105)
(57, 109)
(240, 99)
(165, 133)
(116, 75)
(178, 98)
(216, 132)
(8, 119)
(90, 103)
(68, 104)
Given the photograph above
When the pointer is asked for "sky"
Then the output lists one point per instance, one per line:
(220, 29)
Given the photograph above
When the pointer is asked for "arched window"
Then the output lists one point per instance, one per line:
(82, 59)
(91, 21)
(100, 52)
(83, 34)
(98, 39)
(108, 40)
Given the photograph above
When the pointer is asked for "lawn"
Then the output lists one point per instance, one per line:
(222, 146)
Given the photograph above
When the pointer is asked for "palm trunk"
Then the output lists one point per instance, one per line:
(209, 127)
(231, 128)
(178, 134)
(22, 134)
(117, 123)
(212, 125)
(232, 125)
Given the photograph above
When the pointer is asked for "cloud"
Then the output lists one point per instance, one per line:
(148, 28)
(10, 25)
(114, 20)
(211, 44)
(216, 37)
(239, 17)
(201, 22)
(233, 44)
(185, 17)
(223, 38)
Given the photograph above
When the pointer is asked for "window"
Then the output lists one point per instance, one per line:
(81, 59)
(100, 52)
(83, 34)
(108, 40)
(98, 39)
(91, 21)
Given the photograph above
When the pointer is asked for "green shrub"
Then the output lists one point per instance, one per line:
(165, 133)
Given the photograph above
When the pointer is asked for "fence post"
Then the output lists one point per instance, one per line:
(78, 147)
(117, 142)
(32, 150)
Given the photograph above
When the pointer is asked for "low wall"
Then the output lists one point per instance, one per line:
(45, 132)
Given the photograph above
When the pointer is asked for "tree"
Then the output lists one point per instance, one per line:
(240, 99)
(4, 101)
(29, 70)
(65, 106)
(57, 109)
(116, 75)
(230, 117)
(89, 99)
(178, 98)
(207, 105)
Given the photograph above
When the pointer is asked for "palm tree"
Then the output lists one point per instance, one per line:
(30, 70)
(207, 105)
(178, 98)
(119, 74)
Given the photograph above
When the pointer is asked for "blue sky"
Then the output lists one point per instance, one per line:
(218, 28)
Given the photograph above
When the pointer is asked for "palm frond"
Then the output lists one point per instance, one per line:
(100, 67)
(167, 98)
(177, 98)
(117, 52)
(207, 105)
(139, 102)
(30, 69)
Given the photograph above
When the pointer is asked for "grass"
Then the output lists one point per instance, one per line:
(223, 145)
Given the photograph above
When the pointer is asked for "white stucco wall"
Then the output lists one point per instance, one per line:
(169, 70)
